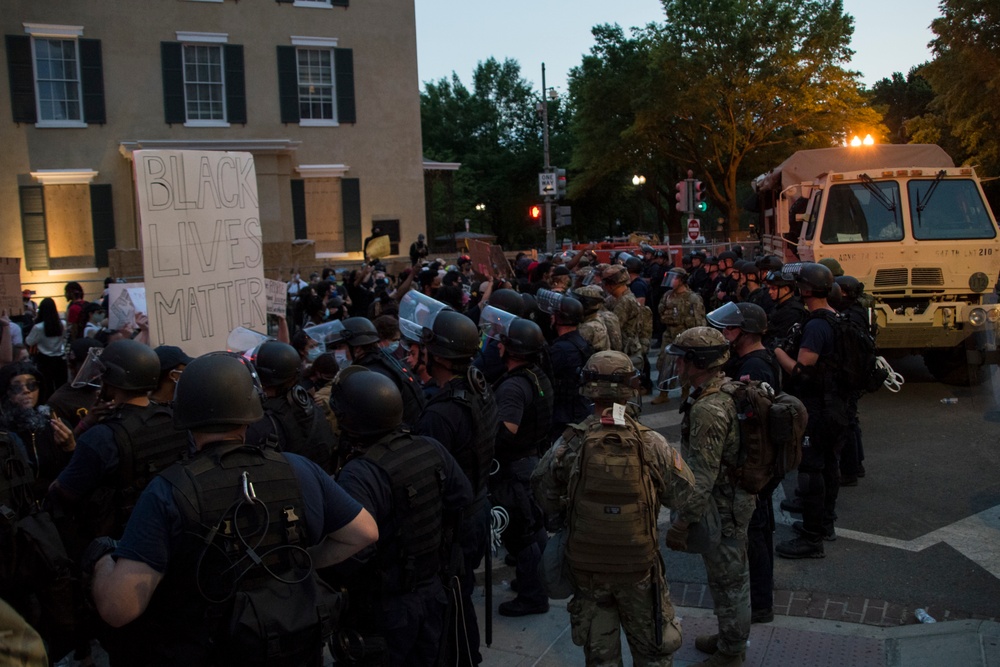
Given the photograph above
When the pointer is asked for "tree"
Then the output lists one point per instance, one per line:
(901, 99)
(495, 132)
(728, 88)
(965, 75)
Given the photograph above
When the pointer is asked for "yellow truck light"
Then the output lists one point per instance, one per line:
(994, 314)
(977, 317)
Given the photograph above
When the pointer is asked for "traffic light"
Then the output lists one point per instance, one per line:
(682, 197)
(560, 182)
(700, 197)
(535, 213)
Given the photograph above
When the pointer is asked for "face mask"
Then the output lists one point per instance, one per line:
(343, 361)
(326, 313)
(314, 353)
(392, 347)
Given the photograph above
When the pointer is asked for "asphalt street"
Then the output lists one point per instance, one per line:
(922, 528)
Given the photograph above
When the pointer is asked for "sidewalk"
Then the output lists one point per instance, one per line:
(545, 640)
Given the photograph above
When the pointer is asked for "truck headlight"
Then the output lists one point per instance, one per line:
(993, 315)
(977, 317)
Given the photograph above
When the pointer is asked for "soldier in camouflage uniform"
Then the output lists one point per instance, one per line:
(599, 327)
(710, 443)
(679, 310)
(636, 327)
(604, 604)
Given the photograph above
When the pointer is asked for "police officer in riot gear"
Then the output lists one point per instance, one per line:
(415, 490)
(524, 401)
(225, 533)
(292, 421)
(567, 355)
(462, 417)
(788, 308)
(362, 341)
(488, 360)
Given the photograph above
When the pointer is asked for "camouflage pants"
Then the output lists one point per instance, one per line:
(729, 580)
(600, 610)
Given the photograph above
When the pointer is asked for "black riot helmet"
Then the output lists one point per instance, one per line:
(850, 287)
(570, 311)
(130, 365)
(367, 404)
(217, 392)
(817, 278)
(633, 264)
(746, 316)
(277, 363)
(523, 339)
(455, 336)
(507, 300)
(357, 331)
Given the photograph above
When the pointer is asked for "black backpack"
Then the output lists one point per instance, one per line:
(855, 359)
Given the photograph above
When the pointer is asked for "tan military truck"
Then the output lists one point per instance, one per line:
(910, 225)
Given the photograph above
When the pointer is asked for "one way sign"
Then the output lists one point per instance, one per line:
(546, 184)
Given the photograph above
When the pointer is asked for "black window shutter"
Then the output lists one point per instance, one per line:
(299, 209)
(340, 3)
(102, 216)
(36, 242)
(172, 63)
(236, 89)
(92, 80)
(285, 1)
(22, 79)
(288, 84)
(350, 199)
(344, 64)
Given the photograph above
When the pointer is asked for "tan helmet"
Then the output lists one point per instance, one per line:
(616, 274)
(704, 346)
(609, 375)
(591, 296)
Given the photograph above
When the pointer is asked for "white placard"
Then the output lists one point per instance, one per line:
(125, 300)
(277, 297)
(202, 253)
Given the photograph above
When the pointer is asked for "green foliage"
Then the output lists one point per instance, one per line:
(726, 88)
(900, 100)
(965, 75)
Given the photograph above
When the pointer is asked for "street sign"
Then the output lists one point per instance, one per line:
(694, 229)
(564, 216)
(546, 184)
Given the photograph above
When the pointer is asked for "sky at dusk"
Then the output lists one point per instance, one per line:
(454, 35)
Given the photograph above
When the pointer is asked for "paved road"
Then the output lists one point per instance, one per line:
(922, 529)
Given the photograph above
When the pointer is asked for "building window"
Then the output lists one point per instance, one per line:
(316, 84)
(56, 77)
(54, 222)
(204, 85)
(57, 80)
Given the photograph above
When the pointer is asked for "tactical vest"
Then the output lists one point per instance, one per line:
(536, 420)
(299, 427)
(148, 443)
(567, 404)
(613, 503)
(476, 398)
(416, 474)
(409, 386)
(240, 582)
(614, 327)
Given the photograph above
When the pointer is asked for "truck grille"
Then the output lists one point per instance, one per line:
(927, 277)
(891, 278)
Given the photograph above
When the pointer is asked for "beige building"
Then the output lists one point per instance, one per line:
(323, 93)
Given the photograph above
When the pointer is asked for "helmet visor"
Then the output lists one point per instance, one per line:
(416, 316)
(495, 323)
(326, 334)
(242, 339)
(727, 315)
(548, 301)
(91, 371)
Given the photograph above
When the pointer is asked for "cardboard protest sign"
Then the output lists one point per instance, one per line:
(202, 253)
(124, 301)
(482, 262)
(10, 286)
(277, 297)
(501, 267)
(378, 247)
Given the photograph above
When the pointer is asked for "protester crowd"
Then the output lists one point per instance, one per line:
(339, 484)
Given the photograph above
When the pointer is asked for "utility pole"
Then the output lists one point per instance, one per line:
(550, 234)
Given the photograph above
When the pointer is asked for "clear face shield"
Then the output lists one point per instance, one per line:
(495, 323)
(548, 301)
(91, 370)
(326, 335)
(624, 257)
(417, 313)
(242, 339)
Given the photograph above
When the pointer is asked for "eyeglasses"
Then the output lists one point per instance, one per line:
(17, 387)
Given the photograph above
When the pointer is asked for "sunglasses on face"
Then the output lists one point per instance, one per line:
(17, 387)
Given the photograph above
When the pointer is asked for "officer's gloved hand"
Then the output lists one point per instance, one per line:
(677, 537)
(94, 552)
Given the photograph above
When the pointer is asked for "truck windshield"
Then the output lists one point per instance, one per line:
(856, 214)
(954, 211)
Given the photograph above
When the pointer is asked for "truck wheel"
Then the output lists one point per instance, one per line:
(950, 366)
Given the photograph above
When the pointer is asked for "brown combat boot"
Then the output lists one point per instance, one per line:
(661, 398)
(707, 643)
(723, 660)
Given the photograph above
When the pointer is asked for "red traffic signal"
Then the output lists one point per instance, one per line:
(700, 197)
(535, 212)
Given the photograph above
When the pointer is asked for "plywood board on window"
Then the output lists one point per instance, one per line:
(10, 286)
